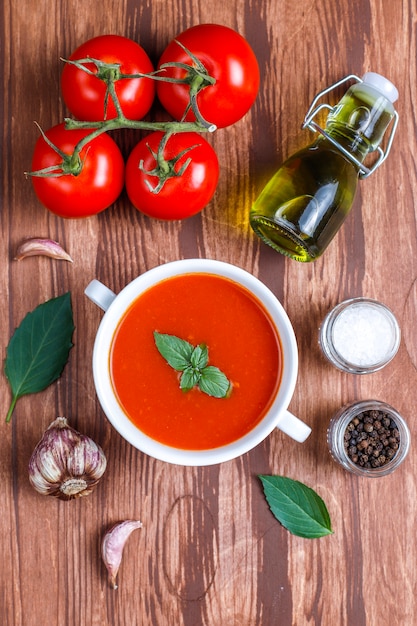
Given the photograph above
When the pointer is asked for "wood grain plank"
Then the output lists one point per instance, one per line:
(210, 552)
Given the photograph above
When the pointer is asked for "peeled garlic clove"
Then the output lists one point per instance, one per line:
(65, 463)
(43, 247)
(112, 546)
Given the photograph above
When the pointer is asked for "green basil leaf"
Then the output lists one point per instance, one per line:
(199, 357)
(177, 352)
(192, 362)
(214, 382)
(189, 378)
(297, 507)
(39, 348)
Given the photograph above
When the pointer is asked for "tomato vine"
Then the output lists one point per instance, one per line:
(197, 78)
(109, 83)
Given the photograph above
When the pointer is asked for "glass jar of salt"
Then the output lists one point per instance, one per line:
(360, 336)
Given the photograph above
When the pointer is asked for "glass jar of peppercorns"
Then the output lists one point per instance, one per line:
(368, 438)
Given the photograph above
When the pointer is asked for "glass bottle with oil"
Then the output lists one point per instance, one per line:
(304, 204)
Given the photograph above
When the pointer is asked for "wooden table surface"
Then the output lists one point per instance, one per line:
(210, 551)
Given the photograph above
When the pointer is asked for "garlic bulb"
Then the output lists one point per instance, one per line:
(65, 463)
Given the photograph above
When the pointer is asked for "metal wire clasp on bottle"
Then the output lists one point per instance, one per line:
(315, 108)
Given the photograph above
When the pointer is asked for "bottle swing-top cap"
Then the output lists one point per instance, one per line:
(379, 83)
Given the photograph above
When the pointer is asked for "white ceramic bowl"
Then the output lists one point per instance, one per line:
(115, 306)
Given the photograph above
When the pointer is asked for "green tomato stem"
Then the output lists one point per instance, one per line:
(165, 169)
(99, 128)
(196, 77)
(123, 122)
(163, 164)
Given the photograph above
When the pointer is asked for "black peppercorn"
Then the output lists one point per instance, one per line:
(372, 452)
(371, 439)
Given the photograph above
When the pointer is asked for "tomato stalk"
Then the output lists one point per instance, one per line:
(123, 122)
(109, 73)
(70, 164)
(165, 169)
(196, 77)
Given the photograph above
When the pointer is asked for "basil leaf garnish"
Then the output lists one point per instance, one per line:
(175, 351)
(189, 378)
(199, 357)
(39, 348)
(193, 363)
(297, 507)
(214, 382)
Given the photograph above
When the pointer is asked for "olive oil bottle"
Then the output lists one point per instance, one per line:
(304, 204)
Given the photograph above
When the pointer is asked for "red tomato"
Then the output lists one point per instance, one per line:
(95, 188)
(228, 58)
(180, 196)
(84, 94)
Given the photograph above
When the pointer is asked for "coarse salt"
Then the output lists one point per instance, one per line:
(364, 335)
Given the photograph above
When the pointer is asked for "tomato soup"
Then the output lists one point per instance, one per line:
(242, 342)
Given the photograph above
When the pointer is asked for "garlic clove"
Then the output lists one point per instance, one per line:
(43, 247)
(113, 544)
(65, 463)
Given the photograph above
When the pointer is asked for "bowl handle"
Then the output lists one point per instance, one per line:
(294, 427)
(99, 294)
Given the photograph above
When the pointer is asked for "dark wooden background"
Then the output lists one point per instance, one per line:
(210, 552)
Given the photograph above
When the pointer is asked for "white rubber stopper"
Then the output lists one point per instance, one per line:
(382, 84)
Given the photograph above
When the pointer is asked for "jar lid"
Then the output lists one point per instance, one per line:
(360, 335)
